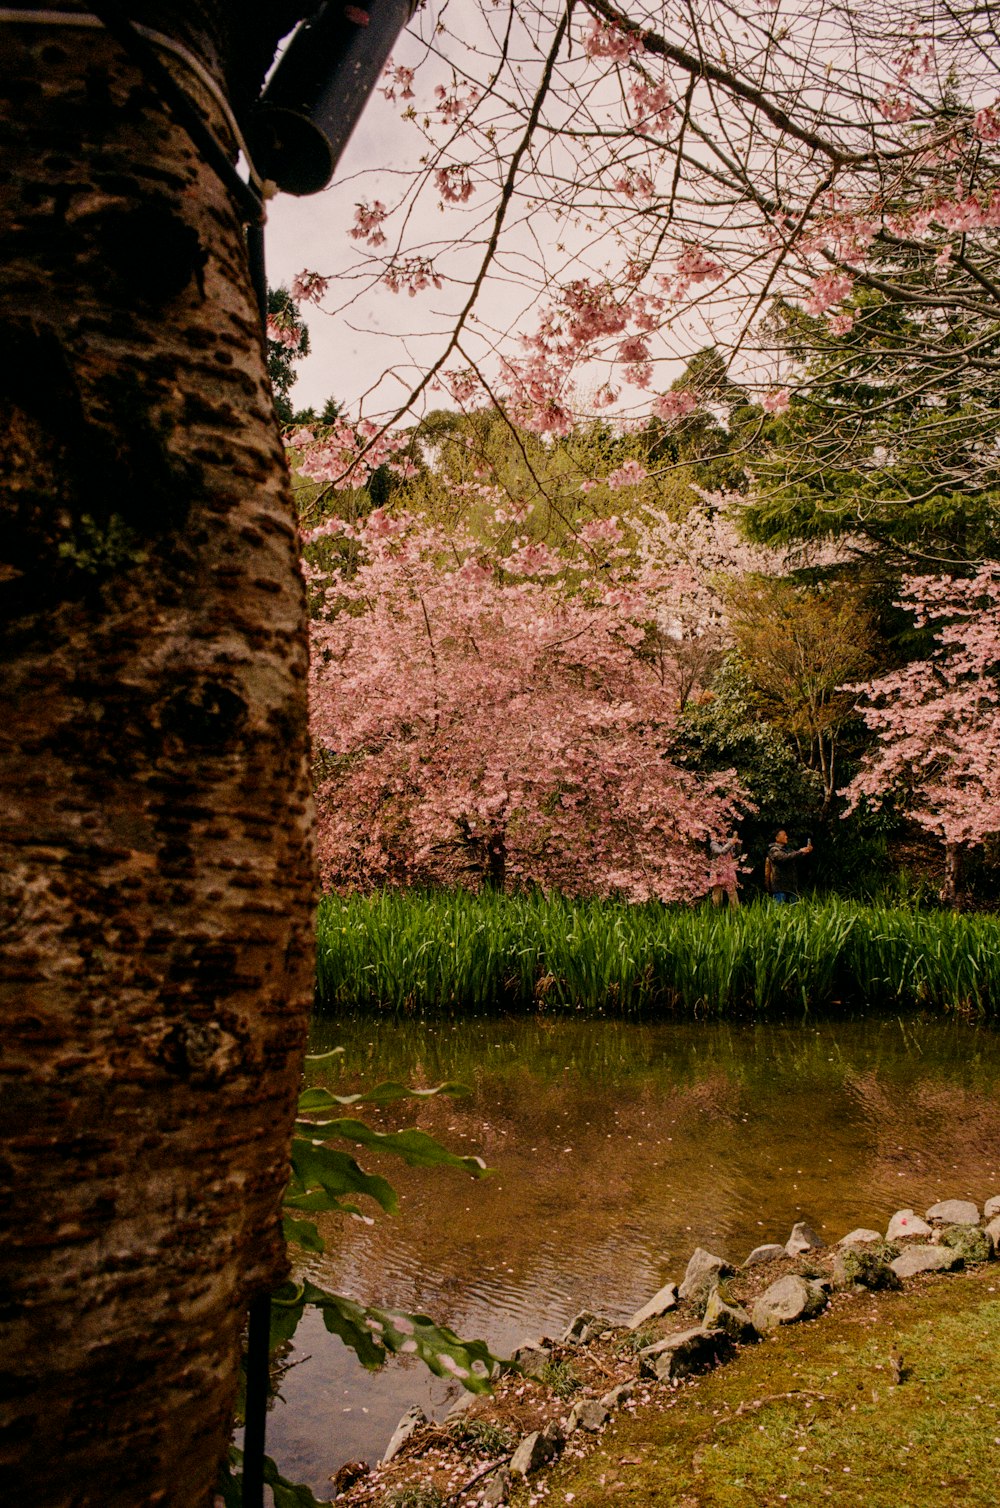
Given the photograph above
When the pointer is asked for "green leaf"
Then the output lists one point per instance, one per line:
(303, 1233)
(290, 1494)
(371, 1333)
(414, 1147)
(286, 1494)
(317, 1168)
(314, 1101)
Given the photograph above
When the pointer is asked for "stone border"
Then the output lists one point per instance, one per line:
(716, 1322)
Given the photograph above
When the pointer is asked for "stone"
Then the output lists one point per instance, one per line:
(619, 1394)
(790, 1299)
(916, 1259)
(972, 1244)
(906, 1223)
(585, 1328)
(991, 1208)
(411, 1421)
(531, 1359)
(954, 1212)
(860, 1237)
(857, 1267)
(687, 1351)
(497, 1488)
(993, 1229)
(803, 1239)
(661, 1303)
(771, 1252)
(703, 1272)
(462, 1404)
(536, 1449)
(588, 1413)
(731, 1318)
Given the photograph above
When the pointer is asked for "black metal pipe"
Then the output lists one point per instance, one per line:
(255, 1412)
(315, 96)
(258, 271)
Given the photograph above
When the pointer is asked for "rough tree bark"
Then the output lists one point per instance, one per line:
(156, 872)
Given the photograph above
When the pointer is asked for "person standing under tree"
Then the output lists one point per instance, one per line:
(781, 875)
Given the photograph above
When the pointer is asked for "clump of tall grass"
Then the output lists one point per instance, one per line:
(459, 954)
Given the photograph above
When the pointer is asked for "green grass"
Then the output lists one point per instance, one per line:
(457, 954)
(812, 1417)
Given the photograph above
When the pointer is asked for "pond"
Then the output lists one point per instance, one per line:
(616, 1149)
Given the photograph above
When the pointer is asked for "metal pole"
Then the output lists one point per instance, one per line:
(258, 1383)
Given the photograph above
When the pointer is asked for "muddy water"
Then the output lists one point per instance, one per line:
(616, 1150)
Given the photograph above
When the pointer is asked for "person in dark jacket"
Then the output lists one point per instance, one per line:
(781, 874)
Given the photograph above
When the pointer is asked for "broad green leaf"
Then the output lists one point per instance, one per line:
(316, 1202)
(371, 1332)
(290, 1494)
(316, 1167)
(414, 1147)
(286, 1494)
(303, 1233)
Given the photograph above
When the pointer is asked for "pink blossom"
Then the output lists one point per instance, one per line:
(840, 324)
(776, 401)
(413, 274)
(628, 475)
(829, 288)
(400, 79)
(635, 354)
(896, 107)
(603, 41)
(454, 184)
(309, 287)
(672, 406)
(368, 223)
(986, 123)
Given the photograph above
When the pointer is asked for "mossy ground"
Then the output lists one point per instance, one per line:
(813, 1415)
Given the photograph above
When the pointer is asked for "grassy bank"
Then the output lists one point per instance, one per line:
(812, 1416)
(478, 955)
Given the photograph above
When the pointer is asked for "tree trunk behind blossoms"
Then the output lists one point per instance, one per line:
(156, 876)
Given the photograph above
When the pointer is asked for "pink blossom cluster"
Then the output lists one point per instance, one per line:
(454, 184)
(938, 720)
(412, 273)
(634, 184)
(281, 328)
(828, 289)
(674, 405)
(628, 475)
(400, 82)
(368, 222)
(347, 454)
(309, 287)
(538, 396)
(986, 123)
(653, 106)
(454, 104)
(776, 401)
(489, 716)
(606, 41)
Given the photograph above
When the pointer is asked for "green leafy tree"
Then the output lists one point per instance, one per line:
(880, 443)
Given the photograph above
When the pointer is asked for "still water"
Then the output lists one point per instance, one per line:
(616, 1150)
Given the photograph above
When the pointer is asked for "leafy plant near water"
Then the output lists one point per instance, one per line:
(456, 953)
(328, 1179)
(561, 1378)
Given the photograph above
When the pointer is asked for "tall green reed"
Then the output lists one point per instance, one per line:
(456, 954)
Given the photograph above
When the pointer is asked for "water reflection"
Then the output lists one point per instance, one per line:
(617, 1149)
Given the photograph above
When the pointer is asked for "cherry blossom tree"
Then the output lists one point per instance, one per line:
(620, 185)
(499, 719)
(938, 734)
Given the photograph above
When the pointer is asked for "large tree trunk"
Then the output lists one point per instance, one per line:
(156, 874)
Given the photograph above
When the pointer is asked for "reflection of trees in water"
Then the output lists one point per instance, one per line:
(619, 1148)
(934, 1131)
